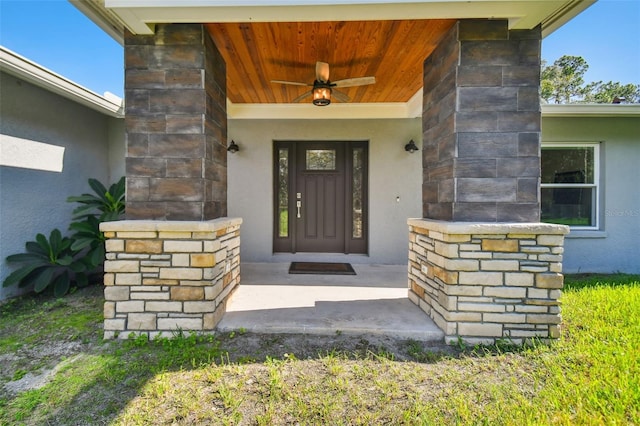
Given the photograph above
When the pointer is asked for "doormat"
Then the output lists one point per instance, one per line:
(321, 268)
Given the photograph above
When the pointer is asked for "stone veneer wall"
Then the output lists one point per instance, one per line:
(488, 281)
(161, 277)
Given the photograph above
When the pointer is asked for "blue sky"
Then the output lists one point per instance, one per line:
(56, 35)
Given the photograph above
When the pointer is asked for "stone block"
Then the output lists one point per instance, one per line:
(116, 293)
(481, 278)
(199, 307)
(109, 279)
(550, 240)
(487, 98)
(543, 319)
(481, 307)
(533, 309)
(132, 235)
(518, 279)
(187, 293)
(203, 260)
(507, 318)
(164, 306)
(463, 290)
(130, 306)
(506, 292)
(109, 310)
(157, 281)
(128, 279)
(463, 316)
(211, 320)
(212, 246)
(144, 246)
(534, 293)
(186, 324)
(113, 246)
(181, 273)
(176, 189)
(480, 329)
(121, 266)
(114, 324)
(499, 265)
(171, 246)
(141, 321)
(149, 295)
(461, 264)
(180, 259)
(550, 280)
(500, 245)
(475, 190)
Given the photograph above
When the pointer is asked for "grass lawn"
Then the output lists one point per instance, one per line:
(55, 369)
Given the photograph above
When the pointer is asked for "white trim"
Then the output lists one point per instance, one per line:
(308, 111)
(596, 178)
(23, 68)
(591, 110)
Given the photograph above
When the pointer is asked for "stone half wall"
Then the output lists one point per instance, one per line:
(483, 282)
(165, 276)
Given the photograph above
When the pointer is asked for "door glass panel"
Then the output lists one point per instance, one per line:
(283, 192)
(321, 159)
(357, 192)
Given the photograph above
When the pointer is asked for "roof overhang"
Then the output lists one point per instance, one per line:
(140, 16)
(24, 69)
(591, 110)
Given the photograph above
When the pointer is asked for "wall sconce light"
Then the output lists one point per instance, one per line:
(411, 147)
(233, 147)
(321, 94)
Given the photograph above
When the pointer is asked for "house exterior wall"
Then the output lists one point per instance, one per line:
(395, 178)
(34, 201)
(615, 246)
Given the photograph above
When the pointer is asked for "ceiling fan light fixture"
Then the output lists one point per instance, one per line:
(321, 95)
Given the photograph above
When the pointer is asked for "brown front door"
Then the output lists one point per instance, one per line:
(320, 197)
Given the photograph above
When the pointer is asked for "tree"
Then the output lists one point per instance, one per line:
(563, 83)
(606, 93)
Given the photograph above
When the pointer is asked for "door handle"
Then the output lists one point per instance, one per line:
(298, 205)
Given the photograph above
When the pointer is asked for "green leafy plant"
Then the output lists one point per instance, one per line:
(106, 205)
(109, 202)
(49, 263)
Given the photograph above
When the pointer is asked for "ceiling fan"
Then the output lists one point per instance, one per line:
(323, 87)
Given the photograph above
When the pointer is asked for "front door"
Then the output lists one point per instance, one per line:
(320, 204)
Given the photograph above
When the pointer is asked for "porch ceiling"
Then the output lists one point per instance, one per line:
(263, 40)
(391, 51)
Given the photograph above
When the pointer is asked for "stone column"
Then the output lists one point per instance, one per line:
(480, 264)
(481, 125)
(176, 125)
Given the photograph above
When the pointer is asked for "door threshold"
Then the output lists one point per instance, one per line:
(322, 257)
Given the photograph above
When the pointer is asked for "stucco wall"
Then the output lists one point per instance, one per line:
(393, 173)
(33, 201)
(616, 246)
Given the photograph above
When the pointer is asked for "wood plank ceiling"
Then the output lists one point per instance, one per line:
(391, 51)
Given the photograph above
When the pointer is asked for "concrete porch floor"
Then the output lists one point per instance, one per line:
(270, 300)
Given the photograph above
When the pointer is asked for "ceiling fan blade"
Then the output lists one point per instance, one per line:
(322, 71)
(350, 82)
(303, 96)
(341, 97)
(294, 83)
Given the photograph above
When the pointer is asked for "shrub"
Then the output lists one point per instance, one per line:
(49, 263)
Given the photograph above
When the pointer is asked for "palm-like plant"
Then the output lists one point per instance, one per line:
(49, 262)
(109, 202)
(105, 206)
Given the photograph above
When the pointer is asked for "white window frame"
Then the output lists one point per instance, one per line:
(596, 178)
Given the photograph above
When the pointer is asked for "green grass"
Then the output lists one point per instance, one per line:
(591, 376)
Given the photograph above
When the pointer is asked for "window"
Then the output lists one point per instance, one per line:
(569, 186)
(321, 159)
